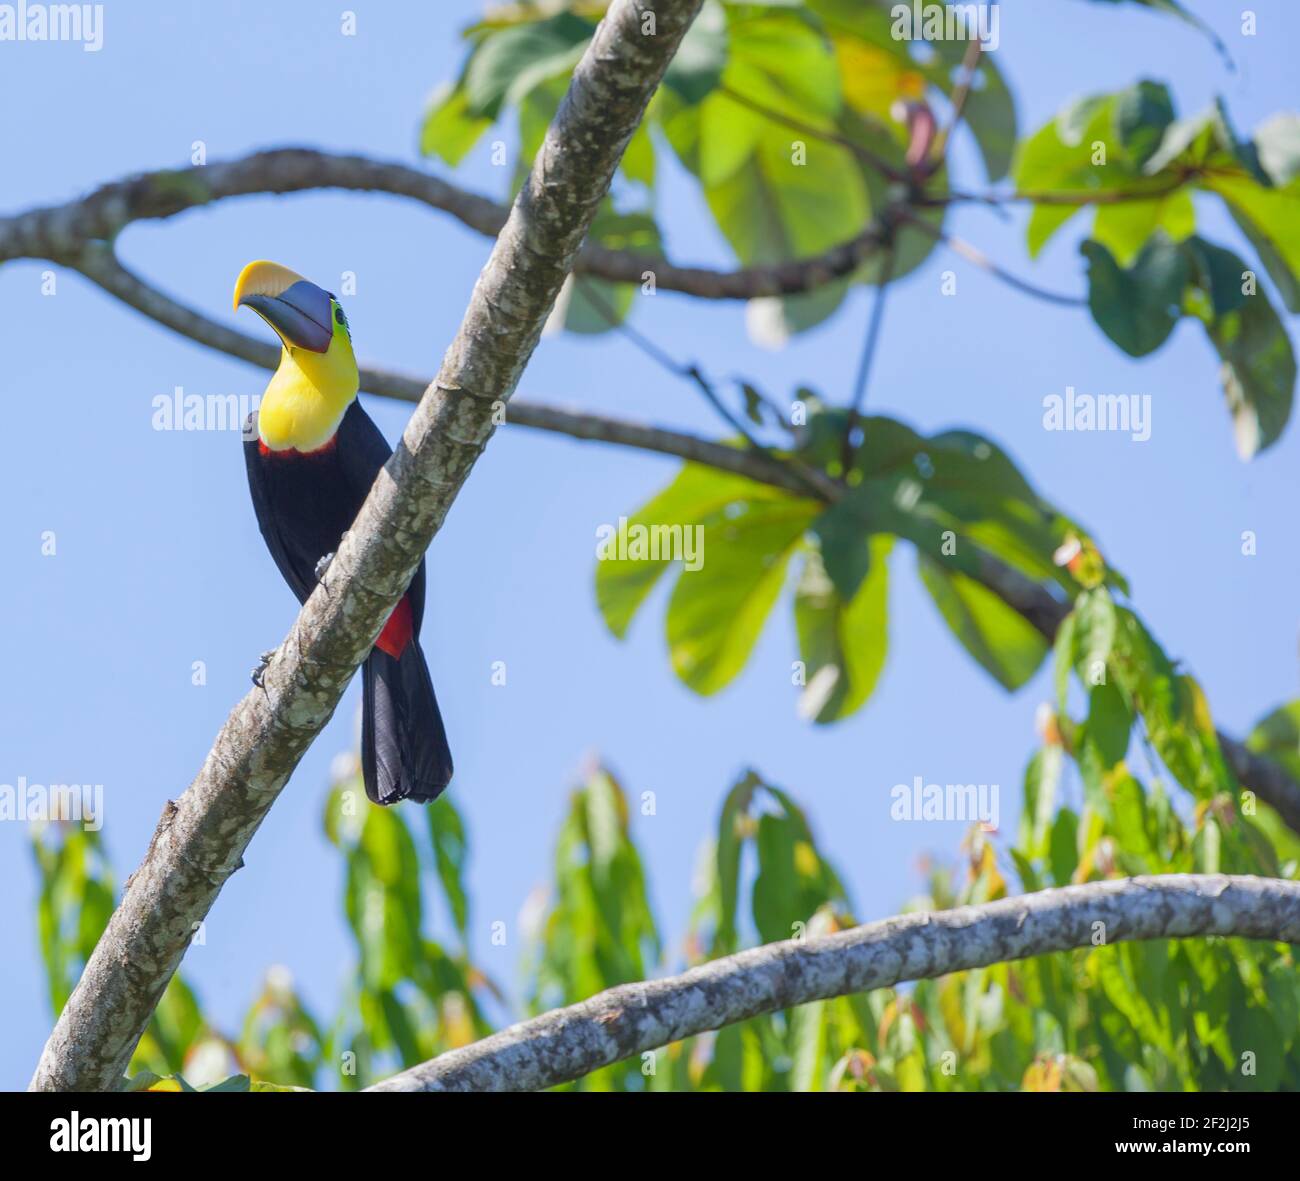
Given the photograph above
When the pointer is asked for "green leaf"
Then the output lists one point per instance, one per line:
(793, 880)
(716, 613)
(773, 209)
(1042, 779)
(1219, 274)
(1142, 113)
(1002, 641)
(449, 130)
(1063, 850)
(1045, 220)
(1270, 219)
(236, 1082)
(735, 811)
(1096, 625)
(593, 306)
(1206, 142)
(1277, 736)
(1259, 368)
(1125, 227)
(696, 68)
(1106, 732)
(628, 572)
(1259, 372)
(508, 63)
(450, 852)
(1137, 307)
(845, 554)
(775, 193)
(1058, 157)
(842, 644)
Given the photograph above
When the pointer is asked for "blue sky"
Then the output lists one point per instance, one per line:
(160, 564)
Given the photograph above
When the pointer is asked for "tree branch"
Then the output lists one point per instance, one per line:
(201, 839)
(59, 233)
(635, 1018)
(1033, 601)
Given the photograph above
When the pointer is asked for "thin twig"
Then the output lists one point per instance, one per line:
(814, 481)
(849, 449)
(980, 259)
(969, 66)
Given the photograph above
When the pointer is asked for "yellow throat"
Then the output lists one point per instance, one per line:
(308, 395)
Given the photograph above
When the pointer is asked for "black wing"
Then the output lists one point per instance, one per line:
(363, 451)
(289, 560)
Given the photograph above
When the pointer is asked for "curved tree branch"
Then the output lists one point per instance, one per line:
(201, 839)
(635, 1018)
(60, 232)
(1030, 599)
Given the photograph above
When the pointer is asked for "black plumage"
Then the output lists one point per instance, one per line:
(305, 502)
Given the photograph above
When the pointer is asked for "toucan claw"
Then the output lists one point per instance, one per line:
(323, 565)
(262, 662)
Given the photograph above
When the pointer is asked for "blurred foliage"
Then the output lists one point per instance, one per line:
(787, 116)
(1205, 1014)
(408, 997)
(954, 496)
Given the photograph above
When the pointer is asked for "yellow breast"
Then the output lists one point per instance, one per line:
(306, 400)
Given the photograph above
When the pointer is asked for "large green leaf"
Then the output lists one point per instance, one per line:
(716, 613)
(592, 306)
(1259, 372)
(1001, 640)
(450, 852)
(509, 62)
(1137, 306)
(697, 494)
(1270, 219)
(696, 68)
(842, 643)
(449, 129)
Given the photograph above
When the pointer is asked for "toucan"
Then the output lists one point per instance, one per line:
(312, 454)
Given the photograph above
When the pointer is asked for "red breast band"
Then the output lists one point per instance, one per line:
(293, 452)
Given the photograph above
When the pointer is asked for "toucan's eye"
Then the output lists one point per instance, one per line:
(338, 316)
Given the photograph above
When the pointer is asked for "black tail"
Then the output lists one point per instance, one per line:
(404, 753)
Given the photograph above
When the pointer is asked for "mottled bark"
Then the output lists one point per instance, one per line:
(635, 1018)
(59, 233)
(201, 838)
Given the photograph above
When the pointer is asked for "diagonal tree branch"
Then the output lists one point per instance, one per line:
(635, 1018)
(1032, 600)
(59, 233)
(201, 838)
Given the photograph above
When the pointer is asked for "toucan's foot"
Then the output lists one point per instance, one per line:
(323, 565)
(262, 661)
